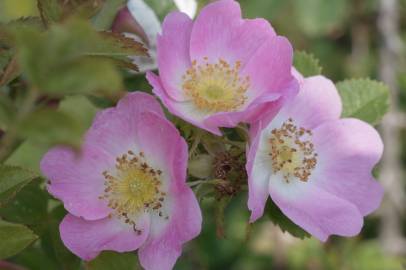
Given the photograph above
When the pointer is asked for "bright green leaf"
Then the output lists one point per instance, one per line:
(12, 179)
(306, 64)
(109, 260)
(14, 238)
(286, 225)
(364, 99)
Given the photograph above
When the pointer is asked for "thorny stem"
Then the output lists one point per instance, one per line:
(10, 141)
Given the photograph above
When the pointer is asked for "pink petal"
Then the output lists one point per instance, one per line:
(348, 150)
(220, 32)
(258, 175)
(317, 102)
(315, 210)
(269, 69)
(87, 239)
(162, 145)
(164, 245)
(167, 236)
(255, 110)
(114, 129)
(173, 53)
(137, 102)
(77, 180)
(298, 76)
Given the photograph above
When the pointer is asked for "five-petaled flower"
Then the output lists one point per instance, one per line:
(221, 69)
(126, 190)
(315, 166)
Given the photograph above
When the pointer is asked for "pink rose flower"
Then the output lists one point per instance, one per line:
(221, 70)
(315, 166)
(126, 190)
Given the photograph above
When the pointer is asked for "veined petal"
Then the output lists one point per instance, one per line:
(173, 53)
(317, 211)
(317, 102)
(259, 172)
(87, 239)
(348, 150)
(114, 129)
(269, 69)
(220, 32)
(164, 245)
(77, 180)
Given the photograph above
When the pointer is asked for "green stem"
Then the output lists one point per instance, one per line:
(207, 182)
(195, 144)
(240, 145)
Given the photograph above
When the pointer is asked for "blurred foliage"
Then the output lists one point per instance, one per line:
(59, 66)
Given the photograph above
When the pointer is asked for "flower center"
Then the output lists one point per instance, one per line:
(292, 152)
(215, 87)
(134, 187)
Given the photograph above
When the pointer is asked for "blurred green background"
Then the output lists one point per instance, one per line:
(345, 37)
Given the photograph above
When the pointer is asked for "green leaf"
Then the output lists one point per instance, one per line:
(306, 64)
(286, 225)
(7, 111)
(69, 59)
(104, 19)
(5, 57)
(364, 99)
(28, 155)
(83, 76)
(51, 127)
(161, 7)
(14, 238)
(10, 71)
(12, 179)
(49, 10)
(34, 258)
(52, 244)
(109, 260)
(80, 108)
(28, 207)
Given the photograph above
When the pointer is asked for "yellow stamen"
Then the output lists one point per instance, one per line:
(216, 87)
(133, 188)
(292, 152)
